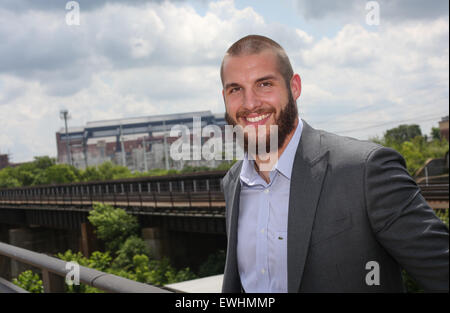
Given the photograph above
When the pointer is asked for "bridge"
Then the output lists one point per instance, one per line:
(184, 202)
(181, 216)
(191, 202)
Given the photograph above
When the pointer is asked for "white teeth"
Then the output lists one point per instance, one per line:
(257, 118)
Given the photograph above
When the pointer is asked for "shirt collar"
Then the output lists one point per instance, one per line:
(284, 165)
(286, 160)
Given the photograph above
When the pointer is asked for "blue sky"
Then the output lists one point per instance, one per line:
(135, 57)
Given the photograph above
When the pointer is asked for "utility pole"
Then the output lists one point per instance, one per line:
(145, 156)
(84, 150)
(63, 114)
(124, 162)
(166, 157)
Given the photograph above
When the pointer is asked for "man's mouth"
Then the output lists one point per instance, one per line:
(257, 118)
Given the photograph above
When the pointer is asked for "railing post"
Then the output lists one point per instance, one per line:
(190, 200)
(52, 282)
(210, 201)
(128, 200)
(81, 197)
(154, 198)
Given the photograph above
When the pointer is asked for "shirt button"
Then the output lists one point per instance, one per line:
(266, 191)
(262, 231)
(263, 271)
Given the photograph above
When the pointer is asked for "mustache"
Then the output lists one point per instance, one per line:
(246, 112)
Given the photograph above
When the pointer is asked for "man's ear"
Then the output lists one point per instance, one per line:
(296, 86)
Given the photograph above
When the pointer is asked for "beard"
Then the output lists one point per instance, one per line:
(285, 122)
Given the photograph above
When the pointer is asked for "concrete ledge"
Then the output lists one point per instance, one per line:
(211, 284)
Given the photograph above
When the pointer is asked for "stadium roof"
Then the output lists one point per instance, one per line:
(143, 120)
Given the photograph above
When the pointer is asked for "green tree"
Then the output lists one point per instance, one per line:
(402, 133)
(43, 162)
(57, 174)
(131, 247)
(112, 225)
(91, 173)
(416, 150)
(8, 179)
(436, 133)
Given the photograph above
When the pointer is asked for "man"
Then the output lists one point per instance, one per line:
(334, 214)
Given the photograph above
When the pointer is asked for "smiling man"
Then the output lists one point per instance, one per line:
(333, 214)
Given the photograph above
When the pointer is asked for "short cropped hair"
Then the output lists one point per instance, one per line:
(254, 44)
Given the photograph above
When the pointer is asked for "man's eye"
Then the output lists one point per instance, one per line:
(235, 89)
(265, 84)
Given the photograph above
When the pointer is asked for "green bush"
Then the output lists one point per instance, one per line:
(113, 225)
(443, 215)
(78, 257)
(29, 281)
(131, 247)
(214, 265)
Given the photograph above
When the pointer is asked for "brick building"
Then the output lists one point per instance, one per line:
(139, 143)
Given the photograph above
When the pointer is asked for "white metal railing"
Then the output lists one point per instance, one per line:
(54, 272)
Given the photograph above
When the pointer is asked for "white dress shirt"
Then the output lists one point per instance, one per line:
(262, 224)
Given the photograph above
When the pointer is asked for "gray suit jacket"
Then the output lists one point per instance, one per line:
(351, 202)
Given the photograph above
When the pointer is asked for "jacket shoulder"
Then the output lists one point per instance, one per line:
(347, 148)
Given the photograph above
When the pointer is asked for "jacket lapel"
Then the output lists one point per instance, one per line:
(308, 173)
(232, 283)
(234, 212)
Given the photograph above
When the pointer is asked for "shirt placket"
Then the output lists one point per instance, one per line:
(262, 240)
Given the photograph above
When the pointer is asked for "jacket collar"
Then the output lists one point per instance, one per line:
(308, 172)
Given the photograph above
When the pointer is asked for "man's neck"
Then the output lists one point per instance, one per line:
(270, 159)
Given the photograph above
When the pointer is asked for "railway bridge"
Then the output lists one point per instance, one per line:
(181, 216)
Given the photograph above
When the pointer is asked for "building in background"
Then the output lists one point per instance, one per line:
(443, 126)
(140, 143)
(4, 161)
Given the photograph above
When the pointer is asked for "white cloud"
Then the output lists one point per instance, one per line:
(164, 57)
(397, 73)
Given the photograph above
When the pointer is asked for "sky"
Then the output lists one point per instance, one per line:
(362, 72)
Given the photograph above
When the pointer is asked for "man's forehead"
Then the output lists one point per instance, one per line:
(249, 64)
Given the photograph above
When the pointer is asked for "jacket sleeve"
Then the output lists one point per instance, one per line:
(403, 222)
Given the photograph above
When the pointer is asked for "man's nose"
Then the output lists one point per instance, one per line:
(251, 99)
